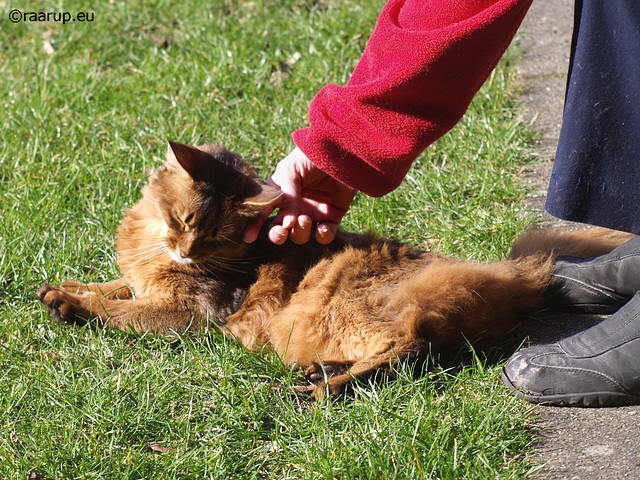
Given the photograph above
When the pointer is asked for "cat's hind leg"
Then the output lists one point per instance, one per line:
(333, 377)
(319, 373)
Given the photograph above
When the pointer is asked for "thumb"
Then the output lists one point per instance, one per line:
(250, 235)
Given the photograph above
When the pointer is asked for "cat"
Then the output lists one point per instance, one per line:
(343, 311)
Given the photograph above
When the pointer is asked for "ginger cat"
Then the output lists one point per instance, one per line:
(344, 311)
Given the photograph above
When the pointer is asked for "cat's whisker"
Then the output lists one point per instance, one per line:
(147, 255)
(142, 259)
(157, 252)
(227, 239)
(147, 250)
(209, 271)
(142, 239)
(248, 260)
(243, 260)
(228, 265)
(146, 247)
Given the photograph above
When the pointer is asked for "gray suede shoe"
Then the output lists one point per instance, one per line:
(597, 284)
(594, 368)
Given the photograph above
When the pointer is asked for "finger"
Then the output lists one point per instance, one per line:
(288, 221)
(278, 235)
(326, 232)
(288, 180)
(301, 231)
(250, 235)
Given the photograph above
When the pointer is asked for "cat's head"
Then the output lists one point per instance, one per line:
(207, 196)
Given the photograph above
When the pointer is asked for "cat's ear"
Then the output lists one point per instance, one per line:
(193, 161)
(266, 196)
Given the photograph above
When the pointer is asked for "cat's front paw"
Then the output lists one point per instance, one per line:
(63, 305)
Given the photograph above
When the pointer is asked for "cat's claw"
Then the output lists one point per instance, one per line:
(307, 389)
(318, 391)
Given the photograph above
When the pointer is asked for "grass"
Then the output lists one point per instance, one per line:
(87, 109)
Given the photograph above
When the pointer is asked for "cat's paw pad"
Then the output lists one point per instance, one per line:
(62, 305)
(319, 373)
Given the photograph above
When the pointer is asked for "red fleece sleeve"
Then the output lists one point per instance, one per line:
(423, 64)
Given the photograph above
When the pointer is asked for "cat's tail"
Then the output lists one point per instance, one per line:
(555, 241)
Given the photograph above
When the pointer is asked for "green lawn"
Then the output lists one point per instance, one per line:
(87, 108)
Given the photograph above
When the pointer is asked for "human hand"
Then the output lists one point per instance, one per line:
(310, 196)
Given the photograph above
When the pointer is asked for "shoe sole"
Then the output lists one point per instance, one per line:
(591, 399)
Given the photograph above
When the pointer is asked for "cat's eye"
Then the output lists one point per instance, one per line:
(183, 225)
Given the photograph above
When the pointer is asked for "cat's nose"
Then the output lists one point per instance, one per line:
(183, 254)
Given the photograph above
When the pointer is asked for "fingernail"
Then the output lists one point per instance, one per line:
(249, 236)
(288, 221)
(323, 235)
(277, 237)
(304, 222)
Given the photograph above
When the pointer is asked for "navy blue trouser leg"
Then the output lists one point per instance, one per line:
(596, 175)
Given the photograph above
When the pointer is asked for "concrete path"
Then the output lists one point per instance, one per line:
(577, 443)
